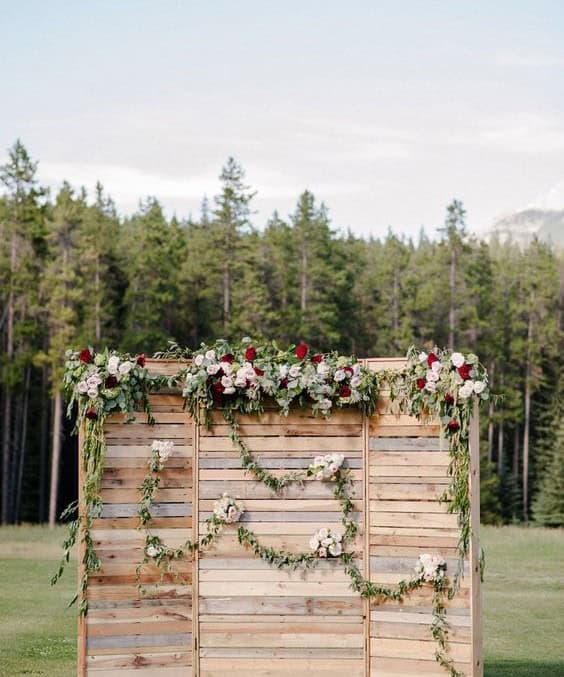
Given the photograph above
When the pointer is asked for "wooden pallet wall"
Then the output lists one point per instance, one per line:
(234, 614)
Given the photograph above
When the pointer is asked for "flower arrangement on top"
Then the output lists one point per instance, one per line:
(240, 376)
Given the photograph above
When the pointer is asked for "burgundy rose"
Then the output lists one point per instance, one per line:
(259, 371)
(111, 382)
(421, 383)
(344, 391)
(317, 358)
(465, 370)
(431, 357)
(251, 354)
(453, 426)
(141, 360)
(219, 373)
(91, 413)
(301, 351)
(349, 370)
(284, 383)
(449, 399)
(228, 358)
(85, 356)
(218, 387)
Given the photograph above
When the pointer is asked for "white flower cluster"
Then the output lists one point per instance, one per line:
(252, 373)
(161, 450)
(450, 373)
(153, 550)
(326, 543)
(118, 368)
(430, 568)
(91, 383)
(228, 509)
(89, 386)
(326, 467)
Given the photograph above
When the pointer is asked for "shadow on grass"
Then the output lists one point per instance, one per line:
(504, 667)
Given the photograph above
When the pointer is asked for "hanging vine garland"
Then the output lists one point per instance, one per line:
(243, 378)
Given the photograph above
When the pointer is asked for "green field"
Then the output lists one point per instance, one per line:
(523, 604)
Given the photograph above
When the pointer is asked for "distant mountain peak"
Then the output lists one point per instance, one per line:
(522, 226)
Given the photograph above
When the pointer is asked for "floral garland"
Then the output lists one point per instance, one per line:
(97, 385)
(240, 378)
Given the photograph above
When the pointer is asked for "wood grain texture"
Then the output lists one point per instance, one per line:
(230, 613)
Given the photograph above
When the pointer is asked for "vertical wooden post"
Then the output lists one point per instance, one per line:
(475, 583)
(82, 627)
(195, 557)
(366, 527)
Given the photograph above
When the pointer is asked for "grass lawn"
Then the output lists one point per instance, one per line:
(523, 604)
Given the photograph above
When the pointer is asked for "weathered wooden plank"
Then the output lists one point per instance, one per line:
(157, 509)
(249, 489)
(415, 648)
(408, 444)
(379, 459)
(272, 667)
(217, 466)
(286, 443)
(143, 661)
(271, 605)
(144, 450)
(135, 640)
(305, 429)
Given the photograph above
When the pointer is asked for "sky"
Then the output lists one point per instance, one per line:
(385, 110)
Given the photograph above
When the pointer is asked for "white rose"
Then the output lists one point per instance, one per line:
(333, 468)
(479, 387)
(335, 549)
(212, 369)
(431, 386)
(283, 370)
(355, 381)
(198, 360)
(326, 542)
(340, 375)
(466, 390)
(82, 387)
(210, 355)
(423, 357)
(322, 533)
(437, 366)
(229, 390)
(294, 371)
(93, 381)
(432, 375)
(227, 368)
(240, 381)
(313, 543)
(113, 365)
(125, 367)
(457, 359)
(322, 369)
(337, 536)
(152, 551)
(318, 460)
(226, 381)
(326, 403)
(92, 393)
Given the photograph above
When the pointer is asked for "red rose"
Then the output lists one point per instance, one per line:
(345, 391)
(431, 357)
(465, 370)
(301, 351)
(218, 387)
(421, 383)
(250, 354)
(85, 356)
(227, 358)
(284, 383)
(317, 358)
(111, 382)
(349, 370)
(91, 413)
(141, 360)
(449, 399)
(453, 426)
(259, 371)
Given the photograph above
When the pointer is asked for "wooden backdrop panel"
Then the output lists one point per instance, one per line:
(231, 613)
(257, 620)
(147, 630)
